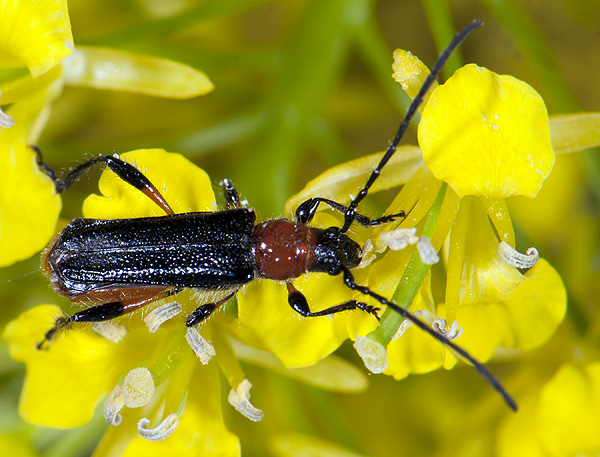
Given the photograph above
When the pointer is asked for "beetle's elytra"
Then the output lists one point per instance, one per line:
(121, 265)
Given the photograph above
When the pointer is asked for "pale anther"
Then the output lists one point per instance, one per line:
(439, 325)
(202, 348)
(240, 400)
(514, 258)
(6, 121)
(109, 330)
(162, 431)
(138, 387)
(374, 354)
(367, 254)
(112, 405)
(158, 316)
(406, 324)
(427, 252)
(400, 238)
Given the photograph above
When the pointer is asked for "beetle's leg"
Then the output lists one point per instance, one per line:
(231, 194)
(307, 210)
(298, 302)
(204, 311)
(104, 312)
(122, 169)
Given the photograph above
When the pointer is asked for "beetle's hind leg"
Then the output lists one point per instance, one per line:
(124, 170)
(104, 312)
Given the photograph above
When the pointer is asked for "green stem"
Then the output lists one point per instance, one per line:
(412, 279)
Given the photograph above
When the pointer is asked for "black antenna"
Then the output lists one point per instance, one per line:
(480, 367)
(350, 213)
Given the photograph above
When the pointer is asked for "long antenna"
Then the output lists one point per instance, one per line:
(350, 213)
(480, 367)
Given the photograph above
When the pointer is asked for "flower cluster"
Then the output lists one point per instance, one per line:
(483, 138)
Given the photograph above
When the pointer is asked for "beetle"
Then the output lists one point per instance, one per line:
(125, 264)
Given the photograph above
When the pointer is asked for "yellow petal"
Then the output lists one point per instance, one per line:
(184, 186)
(487, 135)
(29, 207)
(343, 180)
(35, 34)
(568, 412)
(575, 132)
(65, 382)
(331, 373)
(119, 70)
(267, 322)
(298, 445)
(411, 73)
(201, 429)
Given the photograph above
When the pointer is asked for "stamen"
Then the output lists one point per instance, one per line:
(406, 324)
(109, 330)
(240, 400)
(112, 405)
(427, 252)
(514, 258)
(374, 354)
(138, 387)
(6, 121)
(367, 254)
(162, 431)
(400, 238)
(202, 348)
(439, 325)
(158, 316)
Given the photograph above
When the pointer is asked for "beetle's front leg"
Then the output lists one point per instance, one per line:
(307, 210)
(298, 302)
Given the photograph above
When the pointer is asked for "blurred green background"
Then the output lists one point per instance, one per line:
(302, 86)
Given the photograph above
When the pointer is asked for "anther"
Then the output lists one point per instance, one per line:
(374, 354)
(109, 330)
(400, 238)
(138, 388)
(439, 325)
(514, 258)
(162, 431)
(158, 316)
(6, 121)
(406, 324)
(202, 348)
(427, 252)
(112, 405)
(240, 400)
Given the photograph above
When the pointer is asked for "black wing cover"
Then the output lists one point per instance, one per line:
(203, 250)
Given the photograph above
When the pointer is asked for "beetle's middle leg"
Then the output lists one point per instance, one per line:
(204, 311)
(232, 197)
(105, 312)
(298, 302)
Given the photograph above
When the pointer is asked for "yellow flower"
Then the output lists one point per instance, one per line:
(39, 36)
(559, 416)
(155, 373)
(34, 34)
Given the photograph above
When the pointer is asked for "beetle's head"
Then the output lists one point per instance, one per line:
(334, 251)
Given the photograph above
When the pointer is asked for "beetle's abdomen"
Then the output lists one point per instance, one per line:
(282, 249)
(203, 250)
